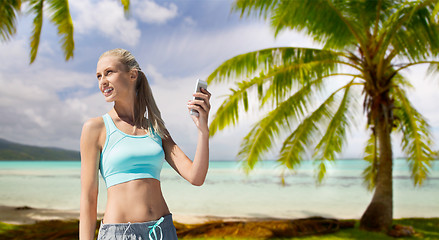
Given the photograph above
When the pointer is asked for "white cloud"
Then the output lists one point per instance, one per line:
(189, 21)
(106, 18)
(33, 113)
(150, 12)
(194, 50)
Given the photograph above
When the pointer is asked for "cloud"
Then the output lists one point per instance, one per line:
(36, 111)
(189, 21)
(32, 110)
(105, 17)
(150, 12)
(193, 49)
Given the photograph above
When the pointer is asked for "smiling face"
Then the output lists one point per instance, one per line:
(115, 80)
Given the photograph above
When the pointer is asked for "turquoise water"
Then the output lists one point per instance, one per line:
(229, 192)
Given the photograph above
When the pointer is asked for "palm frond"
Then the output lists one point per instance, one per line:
(228, 112)
(433, 68)
(285, 78)
(416, 137)
(295, 145)
(326, 23)
(36, 7)
(334, 138)
(126, 5)
(60, 16)
(261, 8)
(262, 62)
(280, 81)
(8, 15)
(393, 23)
(260, 137)
(369, 174)
(435, 12)
(411, 32)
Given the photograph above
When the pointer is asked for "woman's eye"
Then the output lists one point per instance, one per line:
(98, 77)
(109, 72)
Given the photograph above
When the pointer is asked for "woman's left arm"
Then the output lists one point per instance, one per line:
(193, 171)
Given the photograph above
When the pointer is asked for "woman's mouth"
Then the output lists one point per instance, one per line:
(107, 91)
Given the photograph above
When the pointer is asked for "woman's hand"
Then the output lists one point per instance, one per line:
(203, 108)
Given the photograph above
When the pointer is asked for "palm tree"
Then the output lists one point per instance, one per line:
(59, 15)
(367, 45)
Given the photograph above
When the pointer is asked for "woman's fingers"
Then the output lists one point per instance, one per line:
(204, 102)
(198, 105)
(206, 92)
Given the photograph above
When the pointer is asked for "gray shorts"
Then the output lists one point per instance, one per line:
(159, 229)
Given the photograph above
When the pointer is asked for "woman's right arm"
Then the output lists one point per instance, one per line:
(91, 137)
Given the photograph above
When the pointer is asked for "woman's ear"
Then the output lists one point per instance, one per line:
(133, 74)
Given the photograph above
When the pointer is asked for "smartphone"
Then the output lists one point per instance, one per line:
(200, 84)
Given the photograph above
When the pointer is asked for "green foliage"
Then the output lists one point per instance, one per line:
(260, 138)
(426, 228)
(14, 151)
(410, 31)
(295, 145)
(416, 137)
(37, 9)
(370, 41)
(372, 152)
(227, 113)
(8, 14)
(334, 138)
(59, 14)
(281, 70)
(126, 5)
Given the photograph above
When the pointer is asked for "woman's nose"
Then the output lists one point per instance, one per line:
(103, 80)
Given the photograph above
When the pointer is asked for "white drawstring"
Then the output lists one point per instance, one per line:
(129, 224)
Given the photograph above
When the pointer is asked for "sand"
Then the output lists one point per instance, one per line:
(29, 215)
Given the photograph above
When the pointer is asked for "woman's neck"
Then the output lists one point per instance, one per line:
(125, 111)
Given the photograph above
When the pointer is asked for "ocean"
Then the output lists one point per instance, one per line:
(229, 192)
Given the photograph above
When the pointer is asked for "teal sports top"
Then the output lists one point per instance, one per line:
(127, 157)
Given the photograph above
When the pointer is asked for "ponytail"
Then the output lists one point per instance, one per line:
(145, 105)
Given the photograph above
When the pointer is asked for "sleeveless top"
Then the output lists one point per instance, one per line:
(127, 157)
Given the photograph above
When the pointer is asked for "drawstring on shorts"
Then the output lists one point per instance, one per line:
(152, 231)
(129, 225)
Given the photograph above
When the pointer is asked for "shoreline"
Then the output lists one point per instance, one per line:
(31, 223)
(20, 215)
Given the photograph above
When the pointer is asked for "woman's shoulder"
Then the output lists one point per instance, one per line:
(93, 125)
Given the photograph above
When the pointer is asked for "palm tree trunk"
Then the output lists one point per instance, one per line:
(379, 214)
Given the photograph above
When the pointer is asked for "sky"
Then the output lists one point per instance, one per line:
(175, 42)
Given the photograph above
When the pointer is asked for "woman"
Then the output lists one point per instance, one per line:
(128, 146)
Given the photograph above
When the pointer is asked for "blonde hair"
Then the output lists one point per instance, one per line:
(145, 102)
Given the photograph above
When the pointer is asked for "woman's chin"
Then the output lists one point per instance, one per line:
(109, 99)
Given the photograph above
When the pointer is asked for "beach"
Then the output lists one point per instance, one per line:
(28, 215)
(44, 190)
(30, 223)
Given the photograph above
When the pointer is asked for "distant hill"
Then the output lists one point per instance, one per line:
(15, 151)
